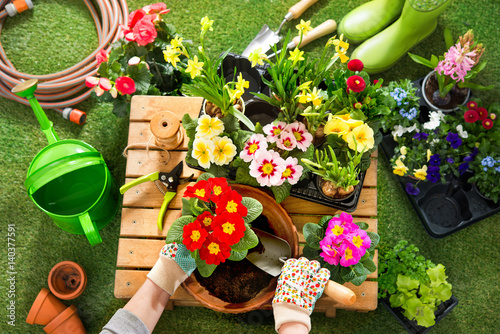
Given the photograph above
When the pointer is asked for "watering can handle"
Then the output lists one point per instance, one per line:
(90, 229)
(150, 177)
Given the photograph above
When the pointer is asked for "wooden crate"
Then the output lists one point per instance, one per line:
(140, 240)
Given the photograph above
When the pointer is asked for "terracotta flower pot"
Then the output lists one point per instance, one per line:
(282, 224)
(67, 280)
(68, 322)
(45, 308)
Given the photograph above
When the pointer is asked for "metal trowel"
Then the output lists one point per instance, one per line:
(276, 251)
(266, 37)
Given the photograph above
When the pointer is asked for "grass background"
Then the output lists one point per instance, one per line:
(59, 33)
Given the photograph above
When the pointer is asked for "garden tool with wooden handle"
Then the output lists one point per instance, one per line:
(274, 254)
(267, 38)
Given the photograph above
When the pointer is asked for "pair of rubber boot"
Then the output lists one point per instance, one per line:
(382, 48)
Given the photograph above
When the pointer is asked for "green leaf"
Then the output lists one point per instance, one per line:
(420, 60)
(369, 265)
(254, 208)
(205, 176)
(218, 171)
(248, 241)
(375, 238)
(141, 76)
(310, 253)
(205, 269)
(243, 176)
(422, 313)
(238, 256)
(121, 107)
(313, 233)
(176, 230)
(186, 207)
(407, 283)
(437, 275)
(363, 225)
(281, 192)
(448, 38)
(324, 221)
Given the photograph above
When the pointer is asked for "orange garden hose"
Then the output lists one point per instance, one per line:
(66, 88)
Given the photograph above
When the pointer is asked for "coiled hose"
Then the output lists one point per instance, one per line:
(66, 88)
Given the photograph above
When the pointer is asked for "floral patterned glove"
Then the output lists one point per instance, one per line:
(173, 267)
(300, 285)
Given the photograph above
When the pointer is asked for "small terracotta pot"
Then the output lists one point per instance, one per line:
(68, 322)
(67, 280)
(45, 308)
(282, 224)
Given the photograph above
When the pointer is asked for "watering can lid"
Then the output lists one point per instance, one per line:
(58, 168)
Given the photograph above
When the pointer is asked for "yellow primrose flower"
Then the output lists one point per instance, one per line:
(296, 55)
(224, 150)
(315, 97)
(421, 173)
(304, 27)
(336, 126)
(202, 151)
(429, 153)
(194, 67)
(209, 127)
(206, 24)
(403, 150)
(360, 138)
(176, 42)
(257, 57)
(242, 83)
(171, 55)
(351, 122)
(400, 168)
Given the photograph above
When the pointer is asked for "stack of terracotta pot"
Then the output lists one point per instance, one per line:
(67, 280)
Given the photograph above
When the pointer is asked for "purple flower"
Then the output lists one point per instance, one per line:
(433, 174)
(472, 155)
(462, 168)
(435, 160)
(412, 189)
(449, 160)
(420, 136)
(475, 151)
(454, 140)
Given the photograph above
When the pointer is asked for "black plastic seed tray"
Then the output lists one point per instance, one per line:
(445, 208)
(411, 325)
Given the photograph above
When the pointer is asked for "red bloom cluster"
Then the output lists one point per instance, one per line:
(476, 113)
(356, 83)
(141, 23)
(219, 227)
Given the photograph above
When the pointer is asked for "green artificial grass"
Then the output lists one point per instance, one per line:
(59, 33)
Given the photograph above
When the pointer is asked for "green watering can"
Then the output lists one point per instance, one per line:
(69, 179)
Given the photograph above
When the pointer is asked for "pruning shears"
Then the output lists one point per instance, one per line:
(165, 182)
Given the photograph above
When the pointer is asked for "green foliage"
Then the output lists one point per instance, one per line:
(248, 241)
(176, 230)
(254, 208)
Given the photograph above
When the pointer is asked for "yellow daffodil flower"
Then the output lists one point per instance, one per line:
(206, 24)
(257, 57)
(296, 55)
(305, 85)
(302, 97)
(171, 55)
(224, 150)
(336, 126)
(194, 67)
(202, 151)
(421, 173)
(360, 138)
(242, 83)
(176, 42)
(341, 49)
(304, 27)
(400, 168)
(315, 97)
(209, 127)
(234, 94)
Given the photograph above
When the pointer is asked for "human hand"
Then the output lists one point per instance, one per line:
(174, 265)
(300, 285)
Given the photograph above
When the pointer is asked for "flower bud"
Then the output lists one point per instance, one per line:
(493, 116)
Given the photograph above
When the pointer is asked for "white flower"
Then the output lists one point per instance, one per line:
(461, 132)
(432, 124)
(399, 130)
(411, 128)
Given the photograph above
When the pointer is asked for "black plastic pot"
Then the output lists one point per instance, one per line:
(411, 325)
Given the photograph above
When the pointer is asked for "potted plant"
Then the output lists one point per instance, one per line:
(342, 246)
(135, 64)
(447, 86)
(215, 227)
(414, 289)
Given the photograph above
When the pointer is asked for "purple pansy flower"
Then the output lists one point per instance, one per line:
(435, 160)
(462, 168)
(420, 136)
(454, 140)
(433, 174)
(450, 160)
(412, 189)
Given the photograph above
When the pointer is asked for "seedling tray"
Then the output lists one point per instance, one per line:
(445, 208)
(411, 325)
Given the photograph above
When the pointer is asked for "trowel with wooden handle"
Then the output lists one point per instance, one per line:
(274, 253)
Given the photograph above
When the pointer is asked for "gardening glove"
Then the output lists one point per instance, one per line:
(300, 285)
(173, 267)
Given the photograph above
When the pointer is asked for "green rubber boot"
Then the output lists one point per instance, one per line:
(418, 20)
(368, 19)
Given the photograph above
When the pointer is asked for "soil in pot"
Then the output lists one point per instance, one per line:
(67, 280)
(213, 111)
(457, 95)
(238, 281)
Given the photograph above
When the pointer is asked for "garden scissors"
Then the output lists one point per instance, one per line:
(166, 183)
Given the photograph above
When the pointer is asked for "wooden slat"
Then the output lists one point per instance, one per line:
(140, 163)
(139, 137)
(142, 222)
(138, 253)
(143, 108)
(371, 175)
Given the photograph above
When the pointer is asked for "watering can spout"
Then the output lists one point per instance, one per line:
(27, 89)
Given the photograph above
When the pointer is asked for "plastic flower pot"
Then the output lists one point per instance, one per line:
(68, 322)
(45, 308)
(458, 96)
(67, 280)
(282, 224)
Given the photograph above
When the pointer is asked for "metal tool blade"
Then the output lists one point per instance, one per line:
(268, 259)
(265, 39)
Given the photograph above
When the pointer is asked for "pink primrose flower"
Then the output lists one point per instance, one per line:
(347, 219)
(302, 136)
(360, 239)
(273, 131)
(349, 254)
(254, 144)
(286, 141)
(337, 228)
(144, 32)
(267, 168)
(125, 85)
(329, 251)
(292, 172)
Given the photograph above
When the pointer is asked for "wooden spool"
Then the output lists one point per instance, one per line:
(165, 126)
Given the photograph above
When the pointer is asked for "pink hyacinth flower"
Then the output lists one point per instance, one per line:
(302, 136)
(349, 254)
(457, 62)
(267, 168)
(273, 131)
(293, 171)
(329, 252)
(286, 141)
(254, 144)
(360, 240)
